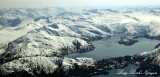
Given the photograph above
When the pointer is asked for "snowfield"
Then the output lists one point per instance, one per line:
(47, 64)
(82, 23)
(35, 39)
(41, 43)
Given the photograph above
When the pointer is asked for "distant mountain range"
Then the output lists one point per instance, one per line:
(38, 38)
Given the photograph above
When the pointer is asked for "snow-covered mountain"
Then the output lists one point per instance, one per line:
(46, 64)
(41, 42)
(87, 22)
(37, 38)
(150, 61)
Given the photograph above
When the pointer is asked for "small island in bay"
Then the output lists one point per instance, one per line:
(127, 41)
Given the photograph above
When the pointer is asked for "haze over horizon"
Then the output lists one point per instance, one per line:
(78, 3)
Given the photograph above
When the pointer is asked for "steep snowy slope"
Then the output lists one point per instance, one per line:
(150, 61)
(48, 65)
(150, 54)
(11, 33)
(40, 43)
(90, 22)
(36, 39)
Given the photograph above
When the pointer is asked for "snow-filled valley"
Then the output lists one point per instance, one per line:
(36, 39)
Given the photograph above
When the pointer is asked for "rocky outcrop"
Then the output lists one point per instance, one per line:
(40, 53)
(149, 70)
(158, 45)
(48, 66)
(149, 63)
(60, 67)
(153, 37)
(127, 41)
(43, 17)
(149, 67)
(41, 45)
(10, 22)
(79, 67)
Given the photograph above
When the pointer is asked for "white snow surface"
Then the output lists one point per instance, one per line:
(47, 64)
(82, 22)
(155, 54)
(36, 42)
(152, 53)
(39, 43)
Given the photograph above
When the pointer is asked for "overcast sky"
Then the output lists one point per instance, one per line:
(77, 3)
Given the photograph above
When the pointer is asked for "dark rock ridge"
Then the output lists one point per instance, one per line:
(148, 68)
(62, 70)
(152, 37)
(54, 26)
(93, 11)
(43, 17)
(127, 41)
(99, 67)
(112, 10)
(89, 39)
(149, 63)
(77, 49)
(78, 71)
(158, 45)
(114, 63)
(10, 22)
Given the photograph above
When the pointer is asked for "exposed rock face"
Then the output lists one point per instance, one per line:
(149, 67)
(50, 43)
(149, 70)
(96, 17)
(48, 66)
(43, 17)
(40, 44)
(157, 37)
(93, 11)
(39, 53)
(79, 67)
(54, 26)
(158, 45)
(149, 63)
(10, 22)
(114, 63)
(60, 67)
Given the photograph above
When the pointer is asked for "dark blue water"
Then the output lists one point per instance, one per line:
(127, 72)
(109, 47)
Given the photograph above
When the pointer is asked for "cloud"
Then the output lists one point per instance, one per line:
(26, 3)
(106, 3)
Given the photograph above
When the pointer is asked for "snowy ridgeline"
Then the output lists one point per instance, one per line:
(154, 54)
(42, 48)
(46, 64)
(40, 42)
(37, 38)
(150, 61)
(87, 22)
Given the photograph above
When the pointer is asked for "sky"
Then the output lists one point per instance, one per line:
(77, 3)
